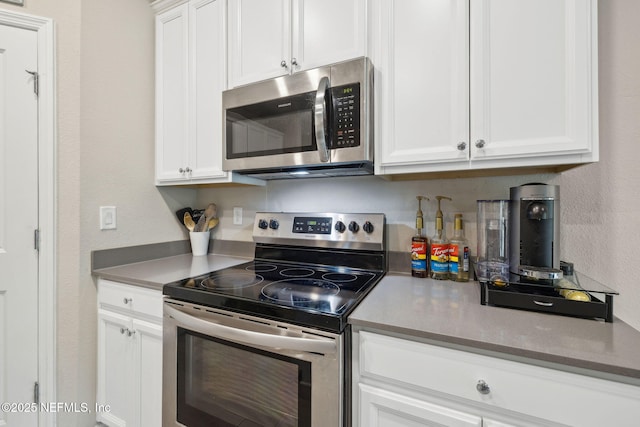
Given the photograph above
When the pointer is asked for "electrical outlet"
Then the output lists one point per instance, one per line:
(237, 216)
(107, 217)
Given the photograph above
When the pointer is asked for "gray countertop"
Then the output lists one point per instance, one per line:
(447, 312)
(158, 272)
(451, 313)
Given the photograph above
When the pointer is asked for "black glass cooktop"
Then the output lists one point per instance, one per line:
(310, 295)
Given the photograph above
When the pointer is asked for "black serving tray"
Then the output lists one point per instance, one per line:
(545, 297)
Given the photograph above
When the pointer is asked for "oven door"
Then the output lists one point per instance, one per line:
(225, 369)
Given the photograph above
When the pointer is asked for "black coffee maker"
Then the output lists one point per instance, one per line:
(535, 228)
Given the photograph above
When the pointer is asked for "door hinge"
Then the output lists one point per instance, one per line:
(36, 81)
(36, 393)
(36, 239)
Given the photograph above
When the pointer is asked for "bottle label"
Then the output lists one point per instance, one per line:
(439, 257)
(458, 261)
(419, 256)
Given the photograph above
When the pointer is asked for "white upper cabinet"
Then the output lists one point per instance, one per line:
(190, 78)
(534, 81)
(270, 38)
(172, 98)
(484, 84)
(421, 60)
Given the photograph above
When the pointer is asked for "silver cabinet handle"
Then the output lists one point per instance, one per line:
(127, 300)
(260, 339)
(543, 303)
(462, 146)
(480, 143)
(294, 62)
(127, 331)
(283, 63)
(181, 170)
(320, 119)
(483, 387)
(188, 170)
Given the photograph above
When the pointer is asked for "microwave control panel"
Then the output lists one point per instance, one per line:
(346, 116)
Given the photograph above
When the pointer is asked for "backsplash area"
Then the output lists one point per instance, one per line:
(396, 199)
(595, 212)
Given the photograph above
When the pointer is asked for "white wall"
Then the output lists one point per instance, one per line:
(601, 202)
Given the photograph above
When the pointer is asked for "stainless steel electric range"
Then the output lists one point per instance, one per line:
(266, 343)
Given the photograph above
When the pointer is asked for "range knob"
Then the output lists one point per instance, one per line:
(263, 224)
(340, 227)
(354, 227)
(274, 224)
(367, 227)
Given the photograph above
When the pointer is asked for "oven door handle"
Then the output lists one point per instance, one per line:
(314, 345)
(320, 119)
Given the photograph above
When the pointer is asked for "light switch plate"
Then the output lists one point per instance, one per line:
(107, 217)
(237, 216)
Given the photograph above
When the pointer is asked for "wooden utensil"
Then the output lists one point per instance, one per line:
(188, 222)
(212, 223)
(209, 213)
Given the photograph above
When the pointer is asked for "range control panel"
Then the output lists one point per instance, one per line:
(339, 230)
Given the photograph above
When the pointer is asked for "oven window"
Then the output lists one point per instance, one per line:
(274, 127)
(226, 384)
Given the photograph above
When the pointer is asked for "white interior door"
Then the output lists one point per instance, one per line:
(18, 221)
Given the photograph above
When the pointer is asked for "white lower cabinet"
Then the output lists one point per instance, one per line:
(401, 382)
(382, 408)
(129, 355)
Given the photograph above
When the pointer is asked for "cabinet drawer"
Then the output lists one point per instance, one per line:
(555, 395)
(130, 299)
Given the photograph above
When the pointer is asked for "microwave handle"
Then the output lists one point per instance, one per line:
(320, 120)
(252, 338)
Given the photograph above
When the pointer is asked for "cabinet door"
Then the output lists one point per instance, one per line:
(259, 40)
(172, 94)
(148, 342)
(327, 31)
(115, 369)
(382, 408)
(533, 80)
(207, 54)
(420, 55)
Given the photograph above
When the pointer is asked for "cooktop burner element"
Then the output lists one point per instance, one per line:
(309, 269)
(224, 280)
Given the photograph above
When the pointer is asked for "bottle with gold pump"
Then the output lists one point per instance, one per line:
(439, 265)
(458, 252)
(419, 245)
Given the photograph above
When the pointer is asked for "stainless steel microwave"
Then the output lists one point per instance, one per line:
(313, 123)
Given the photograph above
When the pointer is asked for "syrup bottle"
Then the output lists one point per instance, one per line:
(458, 253)
(439, 265)
(419, 245)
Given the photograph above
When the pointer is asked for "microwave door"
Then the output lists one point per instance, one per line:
(321, 120)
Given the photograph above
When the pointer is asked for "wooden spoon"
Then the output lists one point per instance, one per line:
(212, 223)
(211, 211)
(188, 222)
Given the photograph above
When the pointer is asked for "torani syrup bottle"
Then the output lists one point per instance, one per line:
(458, 253)
(419, 245)
(439, 247)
